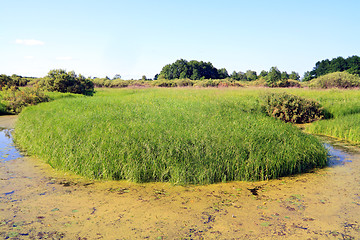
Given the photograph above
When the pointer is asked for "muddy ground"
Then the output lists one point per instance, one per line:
(37, 202)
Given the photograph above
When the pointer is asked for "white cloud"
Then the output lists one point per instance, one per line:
(64, 58)
(29, 57)
(29, 42)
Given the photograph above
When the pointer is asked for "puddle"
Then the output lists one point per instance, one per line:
(7, 149)
(37, 202)
(337, 156)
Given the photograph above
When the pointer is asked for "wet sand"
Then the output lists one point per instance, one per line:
(37, 202)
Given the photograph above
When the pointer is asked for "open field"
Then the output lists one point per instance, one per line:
(181, 136)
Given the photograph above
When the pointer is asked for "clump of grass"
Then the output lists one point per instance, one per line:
(336, 80)
(183, 136)
(345, 127)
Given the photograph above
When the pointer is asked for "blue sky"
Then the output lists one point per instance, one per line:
(138, 37)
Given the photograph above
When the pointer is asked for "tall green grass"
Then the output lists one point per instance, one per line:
(183, 136)
(344, 106)
(345, 127)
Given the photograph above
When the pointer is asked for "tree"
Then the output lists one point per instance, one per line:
(194, 70)
(117, 76)
(143, 78)
(273, 77)
(239, 76)
(339, 64)
(223, 73)
(284, 76)
(294, 76)
(263, 73)
(251, 75)
(61, 81)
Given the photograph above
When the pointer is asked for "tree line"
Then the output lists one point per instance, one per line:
(339, 64)
(199, 70)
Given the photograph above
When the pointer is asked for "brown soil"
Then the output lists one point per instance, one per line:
(37, 202)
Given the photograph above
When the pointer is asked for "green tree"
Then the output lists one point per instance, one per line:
(61, 81)
(273, 77)
(263, 73)
(117, 76)
(194, 70)
(251, 75)
(284, 76)
(223, 73)
(294, 76)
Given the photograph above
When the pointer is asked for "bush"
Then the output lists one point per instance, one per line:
(289, 83)
(336, 80)
(291, 108)
(6, 81)
(16, 99)
(60, 81)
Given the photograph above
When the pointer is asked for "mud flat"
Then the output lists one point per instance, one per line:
(37, 202)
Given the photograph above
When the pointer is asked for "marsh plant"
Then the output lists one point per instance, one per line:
(183, 136)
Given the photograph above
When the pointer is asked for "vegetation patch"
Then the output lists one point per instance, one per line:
(183, 136)
(345, 127)
(15, 99)
(291, 108)
(59, 80)
(336, 80)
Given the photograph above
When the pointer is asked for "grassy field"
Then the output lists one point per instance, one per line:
(344, 105)
(183, 136)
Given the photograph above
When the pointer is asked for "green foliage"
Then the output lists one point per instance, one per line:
(336, 80)
(20, 81)
(239, 76)
(6, 81)
(291, 108)
(339, 64)
(289, 83)
(16, 99)
(61, 81)
(194, 70)
(294, 76)
(181, 136)
(273, 77)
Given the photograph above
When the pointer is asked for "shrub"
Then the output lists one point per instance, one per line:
(289, 83)
(6, 81)
(336, 80)
(16, 99)
(291, 108)
(61, 81)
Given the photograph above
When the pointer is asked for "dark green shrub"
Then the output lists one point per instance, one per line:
(291, 108)
(289, 83)
(16, 99)
(336, 80)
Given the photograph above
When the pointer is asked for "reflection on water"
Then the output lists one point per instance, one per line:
(7, 148)
(336, 156)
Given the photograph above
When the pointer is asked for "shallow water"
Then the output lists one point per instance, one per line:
(37, 202)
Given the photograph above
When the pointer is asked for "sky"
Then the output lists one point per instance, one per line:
(138, 37)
